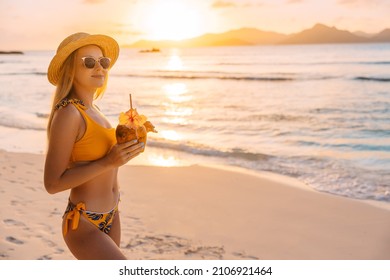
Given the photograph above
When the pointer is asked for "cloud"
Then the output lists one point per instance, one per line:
(128, 32)
(294, 1)
(229, 4)
(223, 4)
(360, 2)
(93, 1)
(348, 2)
(126, 29)
(132, 33)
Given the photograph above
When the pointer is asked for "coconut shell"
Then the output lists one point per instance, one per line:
(125, 134)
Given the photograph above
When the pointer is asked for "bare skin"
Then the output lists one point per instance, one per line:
(94, 183)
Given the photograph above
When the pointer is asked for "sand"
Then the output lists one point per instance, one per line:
(196, 212)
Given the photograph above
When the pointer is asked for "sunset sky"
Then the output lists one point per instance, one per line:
(42, 24)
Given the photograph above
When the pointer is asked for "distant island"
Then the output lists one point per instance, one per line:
(11, 52)
(152, 50)
(318, 34)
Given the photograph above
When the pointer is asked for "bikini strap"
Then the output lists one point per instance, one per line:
(64, 102)
(73, 216)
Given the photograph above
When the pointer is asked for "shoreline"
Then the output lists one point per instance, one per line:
(292, 182)
(196, 212)
(157, 157)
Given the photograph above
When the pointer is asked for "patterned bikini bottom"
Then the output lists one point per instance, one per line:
(102, 221)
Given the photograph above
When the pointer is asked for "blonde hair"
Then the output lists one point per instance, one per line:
(65, 86)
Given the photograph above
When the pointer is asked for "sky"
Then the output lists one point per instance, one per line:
(43, 24)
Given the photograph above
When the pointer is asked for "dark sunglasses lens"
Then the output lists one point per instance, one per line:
(105, 62)
(89, 62)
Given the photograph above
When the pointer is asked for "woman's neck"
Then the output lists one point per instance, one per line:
(85, 96)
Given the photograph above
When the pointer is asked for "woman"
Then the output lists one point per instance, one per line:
(83, 155)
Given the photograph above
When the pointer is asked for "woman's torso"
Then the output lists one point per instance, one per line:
(97, 137)
(99, 194)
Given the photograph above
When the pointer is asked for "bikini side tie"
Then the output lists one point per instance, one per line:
(74, 216)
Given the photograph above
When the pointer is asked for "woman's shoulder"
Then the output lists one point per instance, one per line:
(66, 101)
(66, 114)
(65, 124)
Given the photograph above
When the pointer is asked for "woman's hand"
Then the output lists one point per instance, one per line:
(122, 153)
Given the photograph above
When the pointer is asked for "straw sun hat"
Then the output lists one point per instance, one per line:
(75, 41)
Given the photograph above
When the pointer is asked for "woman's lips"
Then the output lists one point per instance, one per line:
(98, 76)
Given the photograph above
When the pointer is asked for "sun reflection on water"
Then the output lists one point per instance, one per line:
(175, 62)
(178, 107)
(176, 111)
(171, 135)
(163, 160)
(176, 92)
(181, 121)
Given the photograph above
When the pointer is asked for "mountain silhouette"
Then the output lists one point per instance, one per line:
(238, 37)
(318, 34)
(383, 36)
(322, 34)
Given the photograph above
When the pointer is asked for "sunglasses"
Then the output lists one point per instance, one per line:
(90, 62)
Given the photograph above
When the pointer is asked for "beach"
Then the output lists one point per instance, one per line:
(196, 212)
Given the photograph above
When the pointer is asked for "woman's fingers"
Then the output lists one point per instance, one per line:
(122, 153)
(131, 150)
(127, 144)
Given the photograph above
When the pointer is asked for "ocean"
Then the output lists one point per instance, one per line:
(318, 113)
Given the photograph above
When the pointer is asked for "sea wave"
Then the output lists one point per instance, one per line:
(259, 117)
(21, 120)
(205, 75)
(203, 150)
(380, 62)
(202, 75)
(23, 73)
(278, 118)
(337, 177)
(373, 79)
(385, 62)
(271, 77)
(185, 75)
(346, 146)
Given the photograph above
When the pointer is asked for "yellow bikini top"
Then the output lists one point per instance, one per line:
(96, 141)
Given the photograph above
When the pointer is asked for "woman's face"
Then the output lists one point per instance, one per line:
(86, 78)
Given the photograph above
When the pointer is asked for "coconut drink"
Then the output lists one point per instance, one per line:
(133, 126)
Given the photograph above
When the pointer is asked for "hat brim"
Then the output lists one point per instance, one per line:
(108, 45)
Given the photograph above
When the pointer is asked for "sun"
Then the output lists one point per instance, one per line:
(169, 19)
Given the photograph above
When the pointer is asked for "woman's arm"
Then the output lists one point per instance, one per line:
(65, 128)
